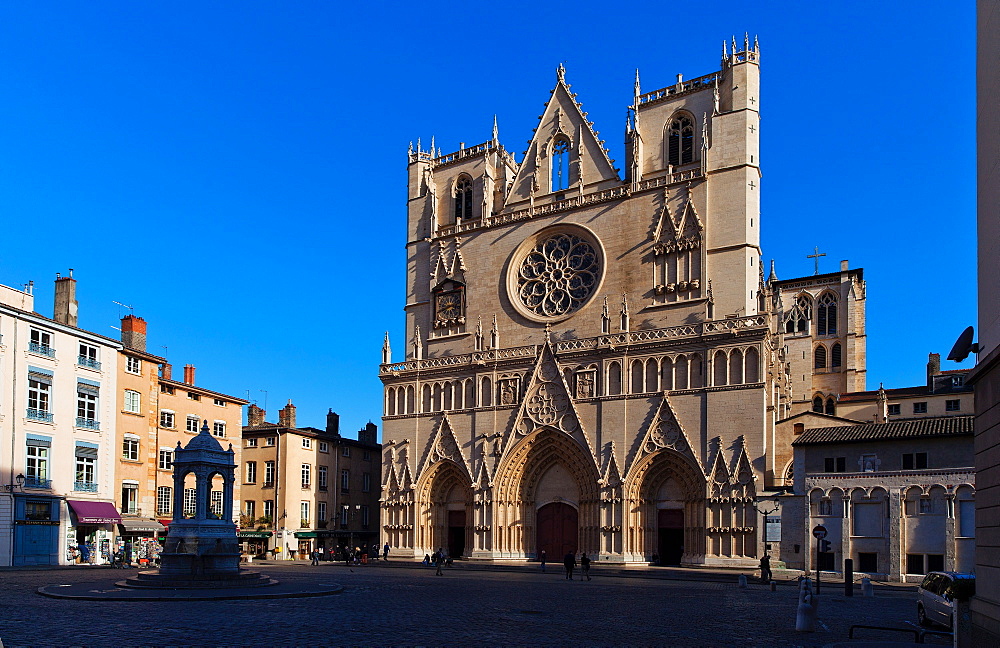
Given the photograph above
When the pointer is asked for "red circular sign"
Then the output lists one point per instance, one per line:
(819, 531)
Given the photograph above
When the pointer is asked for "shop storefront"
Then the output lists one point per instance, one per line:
(255, 543)
(306, 540)
(36, 530)
(138, 537)
(89, 536)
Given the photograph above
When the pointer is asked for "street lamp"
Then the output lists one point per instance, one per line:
(767, 507)
(350, 513)
(19, 485)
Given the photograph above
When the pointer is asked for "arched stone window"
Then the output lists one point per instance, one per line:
(819, 357)
(614, 379)
(751, 363)
(680, 140)
(818, 404)
(694, 370)
(736, 367)
(797, 319)
(651, 374)
(463, 199)
(560, 164)
(410, 405)
(835, 355)
(390, 401)
(470, 394)
(667, 374)
(425, 405)
(681, 372)
(720, 368)
(637, 371)
(826, 323)
(486, 392)
(831, 406)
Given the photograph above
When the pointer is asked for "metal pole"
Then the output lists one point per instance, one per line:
(848, 577)
(818, 542)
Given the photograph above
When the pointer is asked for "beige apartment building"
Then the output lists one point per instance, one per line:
(155, 414)
(306, 488)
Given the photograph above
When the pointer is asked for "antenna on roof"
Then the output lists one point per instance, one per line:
(121, 305)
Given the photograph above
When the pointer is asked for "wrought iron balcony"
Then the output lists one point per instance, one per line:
(84, 361)
(37, 482)
(85, 486)
(90, 424)
(39, 415)
(41, 349)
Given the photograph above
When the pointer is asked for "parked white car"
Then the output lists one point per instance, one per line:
(937, 593)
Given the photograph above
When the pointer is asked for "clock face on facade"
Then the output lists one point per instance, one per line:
(449, 306)
(555, 273)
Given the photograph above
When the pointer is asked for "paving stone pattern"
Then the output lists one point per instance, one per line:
(413, 607)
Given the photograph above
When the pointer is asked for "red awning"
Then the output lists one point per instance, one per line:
(95, 512)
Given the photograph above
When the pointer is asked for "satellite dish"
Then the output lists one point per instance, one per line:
(964, 346)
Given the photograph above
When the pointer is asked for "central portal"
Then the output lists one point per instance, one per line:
(558, 530)
(670, 523)
(456, 534)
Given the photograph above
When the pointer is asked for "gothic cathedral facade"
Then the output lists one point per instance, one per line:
(596, 363)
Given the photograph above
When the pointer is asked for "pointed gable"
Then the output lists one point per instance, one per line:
(442, 446)
(563, 121)
(718, 473)
(547, 403)
(666, 432)
(611, 475)
(682, 232)
(742, 471)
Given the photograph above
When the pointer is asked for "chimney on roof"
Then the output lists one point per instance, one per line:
(134, 332)
(933, 368)
(882, 405)
(66, 308)
(166, 371)
(844, 265)
(333, 423)
(286, 415)
(368, 433)
(255, 415)
(189, 374)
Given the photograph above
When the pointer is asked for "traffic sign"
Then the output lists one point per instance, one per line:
(819, 531)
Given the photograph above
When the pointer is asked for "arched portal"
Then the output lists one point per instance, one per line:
(444, 497)
(666, 500)
(544, 476)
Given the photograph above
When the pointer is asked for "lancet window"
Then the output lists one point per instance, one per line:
(836, 354)
(797, 319)
(827, 315)
(560, 164)
(819, 357)
(463, 199)
(680, 141)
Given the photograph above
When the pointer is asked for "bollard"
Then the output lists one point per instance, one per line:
(743, 581)
(848, 577)
(805, 614)
(774, 586)
(866, 587)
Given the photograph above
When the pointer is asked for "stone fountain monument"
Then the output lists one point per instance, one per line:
(201, 551)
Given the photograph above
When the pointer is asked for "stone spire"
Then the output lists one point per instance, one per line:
(773, 276)
(386, 350)
(418, 344)
(496, 131)
(624, 313)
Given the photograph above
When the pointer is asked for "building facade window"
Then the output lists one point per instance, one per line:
(345, 480)
(366, 482)
(133, 401)
(270, 441)
(831, 406)
(268, 473)
(39, 397)
(166, 389)
(251, 443)
(133, 365)
(250, 508)
(130, 447)
(915, 461)
(836, 356)
(893, 409)
(680, 141)
(166, 419)
(86, 468)
(164, 500)
(343, 517)
(321, 511)
(193, 396)
(869, 463)
(307, 444)
(818, 404)
(365, 515)
(130, 498)
(827, 315)
(166, 459)
(835, 464)
(219, 428)
(346, 451)
(463, 199)
(269, 511)
(41, 343)
(322, 478)
(953, 405)
(36, 471)
(324, 446)
(304, 515)
(797, 319)
(920, 408)
(192, 424)
(306, 475)
(88, 357)
(86, 406)
(251, 472)
(819, 357)
(219, 402)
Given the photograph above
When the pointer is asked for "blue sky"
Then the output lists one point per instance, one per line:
(237, 171)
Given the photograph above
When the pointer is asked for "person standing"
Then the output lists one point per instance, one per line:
(385, 552)
(584, 566)
(314, 557)
(128, 553)
(765, 568)
(439, 561)
(569, 562)
(541, 557)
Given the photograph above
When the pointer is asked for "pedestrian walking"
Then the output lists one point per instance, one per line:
(541, 557)
(128, 554)
(385, 552)
(314, 557)
(439, 561)
(765, 568)
(569, 562)
(584, 566)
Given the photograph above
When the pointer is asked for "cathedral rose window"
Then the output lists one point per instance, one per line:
(554, 274)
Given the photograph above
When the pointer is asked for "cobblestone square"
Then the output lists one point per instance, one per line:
(462, 607)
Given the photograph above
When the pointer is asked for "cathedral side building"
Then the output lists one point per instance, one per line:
(595, 361)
